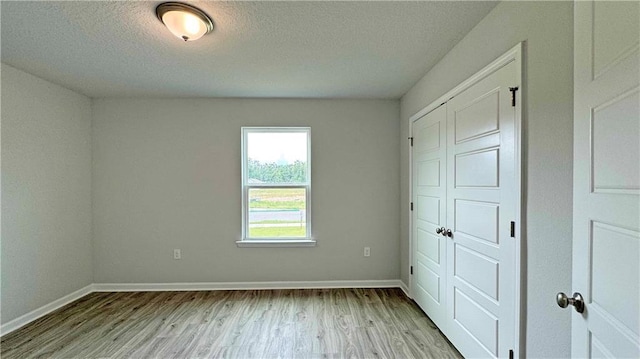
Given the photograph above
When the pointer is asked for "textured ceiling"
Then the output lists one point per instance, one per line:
(306, 49)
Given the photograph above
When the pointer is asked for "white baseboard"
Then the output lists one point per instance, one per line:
(153, 287)
(404, 288)
(45, 309)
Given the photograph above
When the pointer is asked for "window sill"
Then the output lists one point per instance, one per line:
(263, 243)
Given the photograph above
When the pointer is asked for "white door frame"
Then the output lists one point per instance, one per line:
(513, 55)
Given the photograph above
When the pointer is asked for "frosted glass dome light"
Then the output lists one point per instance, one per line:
(186, 22)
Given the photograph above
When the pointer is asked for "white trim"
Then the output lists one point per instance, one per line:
(515, 54)
(519, 339)
(158, 287)
(246, 186)
(410, 287)
(25, 319)
(276, 243)
(405, 289)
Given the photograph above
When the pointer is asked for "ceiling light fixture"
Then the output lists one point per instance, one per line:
(186, 22)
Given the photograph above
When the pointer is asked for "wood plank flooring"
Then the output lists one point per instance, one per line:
(314, 323)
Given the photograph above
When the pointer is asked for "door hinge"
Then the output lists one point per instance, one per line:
(513, 95)
(411, 139)
(513, 230)
(412, 206)
(510, 353)
(411, 270)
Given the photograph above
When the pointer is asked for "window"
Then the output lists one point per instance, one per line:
(276, 186)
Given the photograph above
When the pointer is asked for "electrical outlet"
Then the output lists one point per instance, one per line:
(177, 254)
(367, 251)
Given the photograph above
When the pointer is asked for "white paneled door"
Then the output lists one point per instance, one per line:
(606, 223)
(481, 203)
(429, 215)
(466, 196)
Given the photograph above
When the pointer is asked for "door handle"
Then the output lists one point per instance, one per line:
(577, 301)
(445, 232)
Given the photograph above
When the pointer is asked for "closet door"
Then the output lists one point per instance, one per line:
(481, 203)
(429, 199)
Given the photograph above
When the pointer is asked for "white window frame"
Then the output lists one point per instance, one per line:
(245, 241)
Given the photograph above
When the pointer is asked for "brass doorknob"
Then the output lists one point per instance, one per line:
(577, 301)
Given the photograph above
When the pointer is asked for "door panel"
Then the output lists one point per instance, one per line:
(428, 210)
(429, 282)
(429, 198)
(477, 169)
(614, 28)
(606, 220)
(477, 270)
(478, 118)
(429, 246)
(429, 173)
(615, 149)
(611, 244)
(477, 219)
(428, 139)
(480, 204)
(477, 322)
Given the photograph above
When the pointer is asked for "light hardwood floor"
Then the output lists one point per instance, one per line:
(314, 323)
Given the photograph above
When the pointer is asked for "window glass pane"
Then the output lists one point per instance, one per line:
(277, 212)
(276, 157)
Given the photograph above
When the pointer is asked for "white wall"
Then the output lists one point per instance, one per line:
(46, 192)
(167, 175)
(547, 28)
